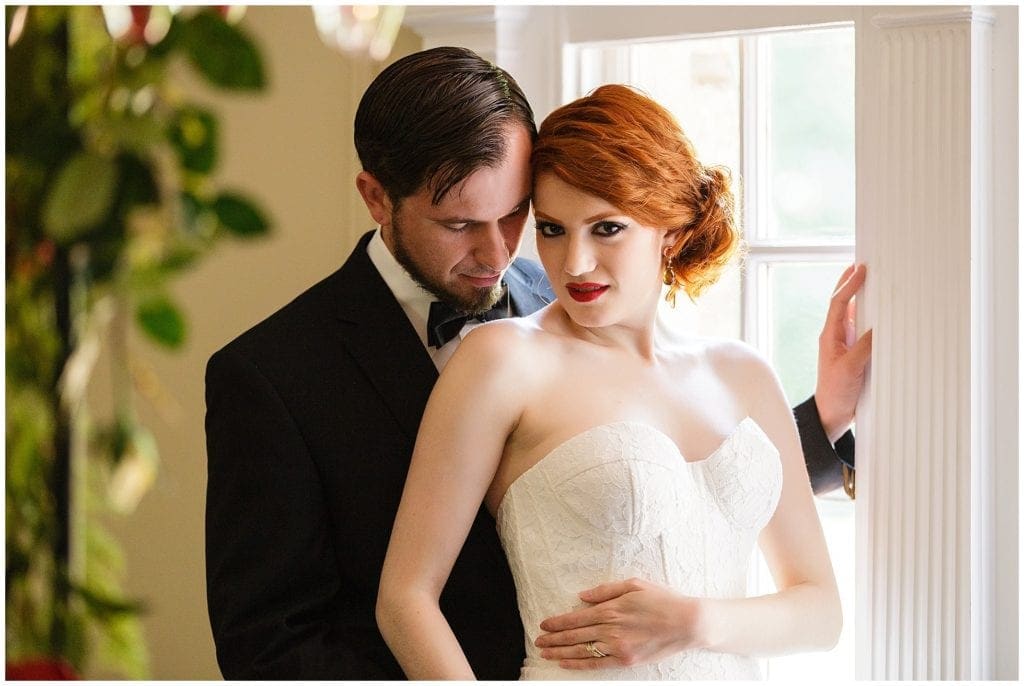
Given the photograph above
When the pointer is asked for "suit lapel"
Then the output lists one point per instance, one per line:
(377, 334)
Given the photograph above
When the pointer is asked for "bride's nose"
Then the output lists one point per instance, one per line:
(579, 256)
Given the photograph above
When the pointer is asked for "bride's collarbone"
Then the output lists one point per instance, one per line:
(683, 397)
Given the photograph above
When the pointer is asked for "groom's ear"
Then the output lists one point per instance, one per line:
(375, 197)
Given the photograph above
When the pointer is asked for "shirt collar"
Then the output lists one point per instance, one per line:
(409, 294)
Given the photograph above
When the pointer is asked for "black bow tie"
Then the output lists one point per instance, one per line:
(445, 322)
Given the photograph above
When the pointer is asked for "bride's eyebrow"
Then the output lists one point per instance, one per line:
(589, 220)
(540, 215)
(602, 215)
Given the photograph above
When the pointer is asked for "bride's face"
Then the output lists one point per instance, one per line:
(604, 266)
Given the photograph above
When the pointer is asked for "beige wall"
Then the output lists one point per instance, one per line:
(291, 148)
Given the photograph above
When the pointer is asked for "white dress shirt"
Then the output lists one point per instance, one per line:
(413, 298)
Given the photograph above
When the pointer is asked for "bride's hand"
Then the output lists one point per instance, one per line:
(631, 622)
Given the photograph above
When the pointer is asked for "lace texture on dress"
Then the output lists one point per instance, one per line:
(618, 501)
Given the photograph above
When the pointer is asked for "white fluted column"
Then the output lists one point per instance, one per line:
(924, 453)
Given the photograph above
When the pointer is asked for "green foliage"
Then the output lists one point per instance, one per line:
(80, 197)
(109, 195)
(239, 216)
(221, 53)
(162, 321)
(194, 133)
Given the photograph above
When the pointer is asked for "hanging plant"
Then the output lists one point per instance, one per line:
(110, 194)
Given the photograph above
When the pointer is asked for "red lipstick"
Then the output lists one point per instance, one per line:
(585, 292)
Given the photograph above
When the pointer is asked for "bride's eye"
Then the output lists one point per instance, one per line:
(549, 230)
(608, 228)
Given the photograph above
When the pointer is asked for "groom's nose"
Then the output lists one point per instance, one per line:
(490, 248)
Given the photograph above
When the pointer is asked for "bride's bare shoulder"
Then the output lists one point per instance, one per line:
(735, 363)
(745, 372)
(718, 352)
(730, 352)
(518, 344)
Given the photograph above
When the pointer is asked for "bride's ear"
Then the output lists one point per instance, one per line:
(670, 238)
(375, 197)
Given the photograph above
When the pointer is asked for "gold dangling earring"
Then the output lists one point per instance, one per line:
(669, 276)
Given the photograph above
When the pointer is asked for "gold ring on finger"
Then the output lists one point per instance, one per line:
(594, 650)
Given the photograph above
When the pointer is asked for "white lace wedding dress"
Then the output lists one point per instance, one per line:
(618, 501)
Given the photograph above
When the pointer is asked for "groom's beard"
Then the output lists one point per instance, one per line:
(480, 301)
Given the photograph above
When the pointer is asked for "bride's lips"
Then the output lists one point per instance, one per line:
(585, 292)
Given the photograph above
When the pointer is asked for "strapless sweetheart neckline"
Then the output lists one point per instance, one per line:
(608, 426)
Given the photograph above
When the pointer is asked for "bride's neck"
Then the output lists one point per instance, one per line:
(637, 336)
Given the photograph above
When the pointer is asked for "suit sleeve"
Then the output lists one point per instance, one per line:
(271, 571)
(824, 461)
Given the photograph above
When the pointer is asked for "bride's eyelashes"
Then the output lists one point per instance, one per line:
(609, 228)
(549, 230)
(602, 228)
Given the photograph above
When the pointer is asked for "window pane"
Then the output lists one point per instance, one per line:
(715, 314)
(601, 64)
(811, 134)
(837, 522)
(698, 81)
(799, 296)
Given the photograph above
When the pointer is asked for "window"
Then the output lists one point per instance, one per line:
(778, 110)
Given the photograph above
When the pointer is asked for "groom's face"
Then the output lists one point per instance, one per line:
(460, 248)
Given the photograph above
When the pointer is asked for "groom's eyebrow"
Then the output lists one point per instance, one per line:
(520, 206)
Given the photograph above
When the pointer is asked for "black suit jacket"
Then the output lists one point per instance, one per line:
(311, 421)
(310, 425)
(824, 461)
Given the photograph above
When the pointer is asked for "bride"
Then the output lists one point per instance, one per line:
(611, 448)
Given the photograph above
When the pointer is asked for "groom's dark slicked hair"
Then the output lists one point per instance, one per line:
(434, 117)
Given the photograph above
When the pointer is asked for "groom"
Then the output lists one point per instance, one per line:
(312, 414)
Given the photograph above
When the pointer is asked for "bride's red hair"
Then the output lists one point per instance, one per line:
(623, 147)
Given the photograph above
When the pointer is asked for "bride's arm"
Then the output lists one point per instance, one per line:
(805, 613)
(461, 437)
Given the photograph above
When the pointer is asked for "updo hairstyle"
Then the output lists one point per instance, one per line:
(619, 145)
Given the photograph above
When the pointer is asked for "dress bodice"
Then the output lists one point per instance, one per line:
(619, 501)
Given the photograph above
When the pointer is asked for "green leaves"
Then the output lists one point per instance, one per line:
(80, 197)
(102, 605)
(222, 53)
(162, 321)
(194, 134)
(239, 216)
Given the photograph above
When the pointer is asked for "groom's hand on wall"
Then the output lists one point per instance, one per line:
(841, 367)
